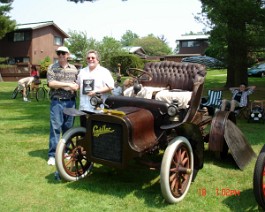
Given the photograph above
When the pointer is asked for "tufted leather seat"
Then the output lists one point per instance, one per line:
(176, 75)
(184, 76)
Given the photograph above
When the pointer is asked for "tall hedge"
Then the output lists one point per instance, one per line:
(126, 61)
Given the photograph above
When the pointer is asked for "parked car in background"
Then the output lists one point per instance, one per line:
(257, 70)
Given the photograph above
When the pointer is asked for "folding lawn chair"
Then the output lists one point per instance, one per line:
(213, 102)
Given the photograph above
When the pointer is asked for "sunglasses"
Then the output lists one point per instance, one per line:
(59, 52)
(92, 58)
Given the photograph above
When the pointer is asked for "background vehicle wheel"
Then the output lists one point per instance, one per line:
(15, 92)
(259, 179)
(40, 95)
(70, 157)
(176, 170)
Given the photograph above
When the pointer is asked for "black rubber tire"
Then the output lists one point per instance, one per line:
(259, 179)
(14, 93)
(41, 94)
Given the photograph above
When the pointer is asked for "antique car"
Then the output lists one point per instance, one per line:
(136, 127)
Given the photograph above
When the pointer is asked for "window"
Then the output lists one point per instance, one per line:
(21, 59)
(189, 44)
(25, 60)
(18, 36)
(21, 36)
(58, 41)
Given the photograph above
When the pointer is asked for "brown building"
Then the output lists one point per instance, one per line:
(31, 43)
(193, 44)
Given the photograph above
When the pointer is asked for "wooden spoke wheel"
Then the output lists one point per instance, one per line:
(176, 170)
(71, 160)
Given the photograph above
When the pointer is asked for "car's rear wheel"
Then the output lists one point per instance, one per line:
(70, 158)
(176, 170)
(259, 179)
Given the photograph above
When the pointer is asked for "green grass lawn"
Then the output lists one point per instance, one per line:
(27, 183)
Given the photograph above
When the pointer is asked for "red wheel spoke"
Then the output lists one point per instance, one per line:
(172, 176)
(185, 162)
(178, 155)
(182, 155)
(173, 182)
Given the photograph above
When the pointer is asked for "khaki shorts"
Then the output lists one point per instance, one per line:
(236, 103)
(21, 86)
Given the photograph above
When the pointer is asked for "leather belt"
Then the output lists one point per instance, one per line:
(63, 99)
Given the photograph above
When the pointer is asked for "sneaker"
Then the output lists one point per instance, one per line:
(51, 161)
(26, 99)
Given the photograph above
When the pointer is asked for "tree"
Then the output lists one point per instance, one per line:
(44, 64)
(79, 44)
(6, 24)
(128, 38)
(162, 38)
(108, 48)
(233, 33)
(153, 46)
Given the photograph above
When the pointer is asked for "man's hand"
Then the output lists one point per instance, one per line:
(74, 86)
(71, 87)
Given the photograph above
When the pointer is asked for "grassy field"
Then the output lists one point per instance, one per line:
(27, 183)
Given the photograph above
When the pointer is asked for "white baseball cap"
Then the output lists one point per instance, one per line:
(63, 49)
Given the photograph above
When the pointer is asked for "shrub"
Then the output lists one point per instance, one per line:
(126, 61)
(44, 64)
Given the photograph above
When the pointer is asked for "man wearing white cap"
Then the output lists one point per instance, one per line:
(61, 77)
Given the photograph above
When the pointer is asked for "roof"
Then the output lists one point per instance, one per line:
(193, 37)
(134, 49)
(38, 25)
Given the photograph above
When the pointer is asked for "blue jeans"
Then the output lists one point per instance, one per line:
(59, 122)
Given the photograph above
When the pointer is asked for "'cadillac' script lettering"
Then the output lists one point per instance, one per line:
(97, 131)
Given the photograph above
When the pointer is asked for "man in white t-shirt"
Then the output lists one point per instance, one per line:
(93, 79)
(23, 83)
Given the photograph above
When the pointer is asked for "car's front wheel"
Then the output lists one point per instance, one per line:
(176, 170)
(70, 158)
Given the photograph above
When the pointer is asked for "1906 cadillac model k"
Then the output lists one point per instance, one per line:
(130, 127)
